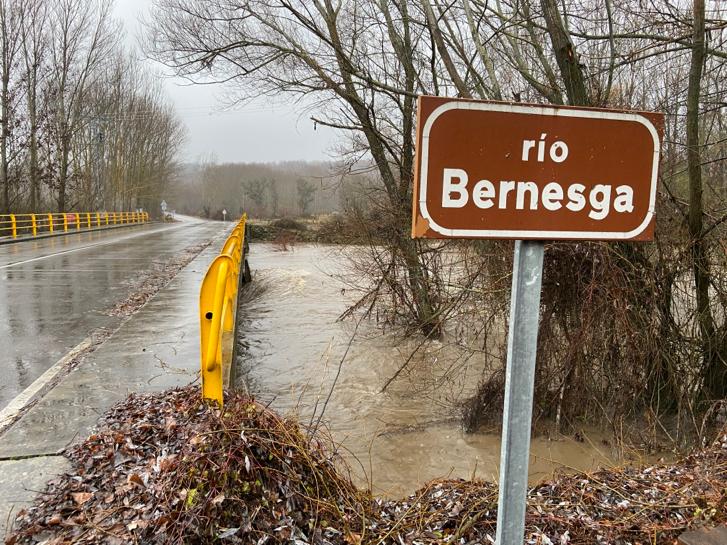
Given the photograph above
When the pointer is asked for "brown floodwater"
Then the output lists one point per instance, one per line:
(294, 350)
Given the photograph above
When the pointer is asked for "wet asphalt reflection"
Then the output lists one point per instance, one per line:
(55, 292)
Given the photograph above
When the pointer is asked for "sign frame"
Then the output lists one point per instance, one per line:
(425, 226)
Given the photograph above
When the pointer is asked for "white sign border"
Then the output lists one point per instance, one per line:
(534, 110)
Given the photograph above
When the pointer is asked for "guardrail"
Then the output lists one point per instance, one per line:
(33, 225)
(217, 311)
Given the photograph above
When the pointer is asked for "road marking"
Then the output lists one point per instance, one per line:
(11, 411)
(103, 243)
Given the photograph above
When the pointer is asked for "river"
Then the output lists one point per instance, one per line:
(291, 352)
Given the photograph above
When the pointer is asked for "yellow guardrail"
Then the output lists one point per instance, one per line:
(217, 309)
(18, 225)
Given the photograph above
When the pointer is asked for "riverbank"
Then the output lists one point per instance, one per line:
(167, 468)
(324, 229)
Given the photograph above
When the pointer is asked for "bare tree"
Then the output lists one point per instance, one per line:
(83, 35)
(34, 47)
(306, 194)
(272, 186)
(11, 39)
(315, 49)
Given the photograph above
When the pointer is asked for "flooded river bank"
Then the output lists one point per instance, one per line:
(296, 356)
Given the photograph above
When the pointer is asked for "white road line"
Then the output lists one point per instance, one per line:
(10, 412)
(103, 243)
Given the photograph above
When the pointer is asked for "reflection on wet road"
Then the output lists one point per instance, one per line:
(397, 440)
(54, 292)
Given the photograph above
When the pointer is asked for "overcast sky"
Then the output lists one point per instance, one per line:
(259, 132)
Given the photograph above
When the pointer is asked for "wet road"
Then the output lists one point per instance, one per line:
(54, 292)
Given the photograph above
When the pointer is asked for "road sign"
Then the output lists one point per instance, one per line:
(224, 214)
(515, 171)
(164, 206)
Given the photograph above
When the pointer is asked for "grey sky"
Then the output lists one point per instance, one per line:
(259, 132)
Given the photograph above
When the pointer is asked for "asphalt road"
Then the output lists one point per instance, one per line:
(54, 292)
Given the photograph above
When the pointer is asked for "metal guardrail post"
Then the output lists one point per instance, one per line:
(34, 225)
(217, 310)
(214, 306)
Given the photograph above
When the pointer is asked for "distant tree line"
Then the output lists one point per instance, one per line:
(286, 189)
(82, 125)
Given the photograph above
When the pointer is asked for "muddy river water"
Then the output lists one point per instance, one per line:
(294, 349)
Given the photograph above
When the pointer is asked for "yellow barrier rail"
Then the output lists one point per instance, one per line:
(33, 225)
(217, 310)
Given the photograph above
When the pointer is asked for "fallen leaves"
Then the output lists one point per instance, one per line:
(81, 497)
(166, 468)
(150, 281)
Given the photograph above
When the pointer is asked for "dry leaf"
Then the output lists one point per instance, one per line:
(135, 479)
(81, 497)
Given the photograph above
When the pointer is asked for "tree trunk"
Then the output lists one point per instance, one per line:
(443, 52)
(63, 174)
(5, 129)
(565, 55)
(34, 181)
(426, 312)
(714, 370)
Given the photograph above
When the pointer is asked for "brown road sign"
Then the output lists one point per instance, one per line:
(518, 171)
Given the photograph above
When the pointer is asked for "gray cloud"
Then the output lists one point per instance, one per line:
(260, 131)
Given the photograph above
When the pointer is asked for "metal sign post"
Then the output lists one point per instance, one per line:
(522, 344)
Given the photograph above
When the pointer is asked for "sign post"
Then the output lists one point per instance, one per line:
(531, 173)
(224, 214)
(522, 342)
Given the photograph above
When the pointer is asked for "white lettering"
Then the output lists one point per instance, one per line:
(527, 146)
(505, 188)
(483, 193)
(559, 151)
(598, 201)
(522, 187)
(552, 195)
(576, 200)
(624, 201)
(541, 148)
(600, 205)
(451, 187)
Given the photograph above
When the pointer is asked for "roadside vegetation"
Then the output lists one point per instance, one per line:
(82, 124)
